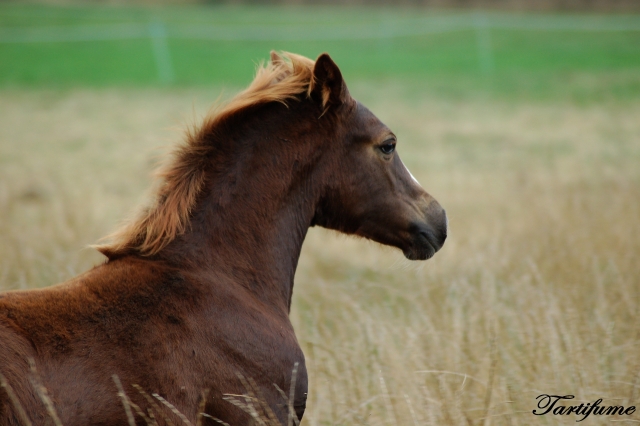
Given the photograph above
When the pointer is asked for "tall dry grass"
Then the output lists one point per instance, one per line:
(536, 290)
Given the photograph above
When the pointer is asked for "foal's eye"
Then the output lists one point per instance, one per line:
(388, 147)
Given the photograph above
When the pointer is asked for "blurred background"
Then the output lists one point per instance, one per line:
(521, 117)
(533, 48)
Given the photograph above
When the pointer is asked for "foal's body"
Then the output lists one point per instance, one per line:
(187, 345)
(196, 294)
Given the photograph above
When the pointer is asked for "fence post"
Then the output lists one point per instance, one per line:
(483, 40)
(161, 52)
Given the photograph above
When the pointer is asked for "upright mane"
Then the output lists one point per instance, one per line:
(284, 77)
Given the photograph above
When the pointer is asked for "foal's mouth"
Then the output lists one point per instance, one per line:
(420, 251)
(425, 243)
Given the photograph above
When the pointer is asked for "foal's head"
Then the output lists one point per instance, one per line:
(320, 145)
(369, 192)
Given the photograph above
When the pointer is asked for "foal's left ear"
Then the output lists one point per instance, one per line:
(275, 58)
(328, 82)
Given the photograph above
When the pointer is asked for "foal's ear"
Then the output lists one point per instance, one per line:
(328, 82)
(275, 58)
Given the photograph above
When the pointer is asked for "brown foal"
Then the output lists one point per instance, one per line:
(193, 301)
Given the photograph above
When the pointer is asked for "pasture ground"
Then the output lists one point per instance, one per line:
(536, 291)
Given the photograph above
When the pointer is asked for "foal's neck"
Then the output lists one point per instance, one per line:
(253, 215)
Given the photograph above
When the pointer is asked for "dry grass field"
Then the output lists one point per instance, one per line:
(537, 290)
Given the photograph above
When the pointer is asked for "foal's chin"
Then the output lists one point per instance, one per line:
(422, 252)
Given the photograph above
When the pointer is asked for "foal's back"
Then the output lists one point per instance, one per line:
(81, 332)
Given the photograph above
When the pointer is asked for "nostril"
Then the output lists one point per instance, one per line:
(431, 239)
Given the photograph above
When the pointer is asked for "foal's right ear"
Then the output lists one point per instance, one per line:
(328, 82)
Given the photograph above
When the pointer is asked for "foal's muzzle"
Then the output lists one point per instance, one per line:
(428, 235)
